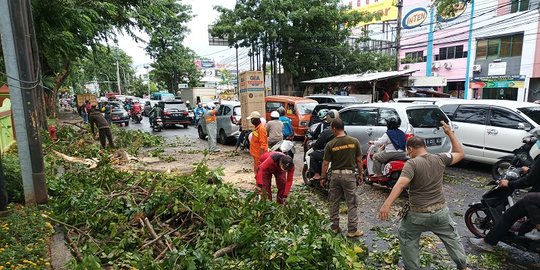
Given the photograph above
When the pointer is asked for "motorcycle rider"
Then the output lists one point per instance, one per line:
(274, 129)
(199, 112)
(323, 125)
(393, 142)
(154, 113)
(522, 208)
(136, 109)
(318, 147)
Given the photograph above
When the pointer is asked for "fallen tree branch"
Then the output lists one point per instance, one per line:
(91, 163)
(78, 255)
(226, 250)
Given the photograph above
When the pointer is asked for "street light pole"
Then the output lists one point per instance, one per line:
(118, 76)
(148, 81)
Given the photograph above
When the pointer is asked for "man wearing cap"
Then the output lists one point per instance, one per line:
(211, 126)
(274, 129)
(259, 140)
(282, 167)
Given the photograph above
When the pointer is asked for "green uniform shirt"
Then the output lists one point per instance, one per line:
(342, 152)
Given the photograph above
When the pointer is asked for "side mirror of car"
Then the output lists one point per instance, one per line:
(524, 126)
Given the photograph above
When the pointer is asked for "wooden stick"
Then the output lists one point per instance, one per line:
(78, 255)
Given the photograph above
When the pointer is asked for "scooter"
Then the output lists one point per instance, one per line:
(523, 156)
(157, 124)
(482, 216)
(137, 117)
(390, 173)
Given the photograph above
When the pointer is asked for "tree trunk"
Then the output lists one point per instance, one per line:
(58, 82)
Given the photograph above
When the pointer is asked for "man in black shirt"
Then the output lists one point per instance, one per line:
(105, 134)
(317, 155)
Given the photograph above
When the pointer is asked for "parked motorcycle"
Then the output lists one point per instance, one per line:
(157, 124)
(390, 173)
(522, 156)
(482, 216)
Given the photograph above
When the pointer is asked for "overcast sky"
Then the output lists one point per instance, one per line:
(197, 39)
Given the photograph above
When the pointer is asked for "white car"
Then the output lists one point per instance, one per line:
(367, 122)
(490, 129)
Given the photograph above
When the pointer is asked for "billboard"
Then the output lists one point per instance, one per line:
(385, 8)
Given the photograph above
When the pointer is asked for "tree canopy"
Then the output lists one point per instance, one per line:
(307, 38)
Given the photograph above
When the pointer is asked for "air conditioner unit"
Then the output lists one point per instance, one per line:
(448, 65)
(435, 74)
(436, 65)
(477, 68)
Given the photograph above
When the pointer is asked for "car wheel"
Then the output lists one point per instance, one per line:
(222, 137)
(126, 123)
(185, 126)
(202, 136)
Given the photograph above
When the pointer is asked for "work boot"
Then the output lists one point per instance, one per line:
(336, 230)
(355, 234)
(533, 235)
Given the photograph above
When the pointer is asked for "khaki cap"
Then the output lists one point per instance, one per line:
(254, 114)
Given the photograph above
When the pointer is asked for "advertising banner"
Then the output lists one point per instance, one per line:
(515, 81)
(386, 9)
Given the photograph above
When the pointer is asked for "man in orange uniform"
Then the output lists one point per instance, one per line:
(211, 126)
(259, 140)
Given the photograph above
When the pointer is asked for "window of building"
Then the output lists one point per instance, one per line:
(493, 48)
(451, 52)
(519, 5)
(414, 57)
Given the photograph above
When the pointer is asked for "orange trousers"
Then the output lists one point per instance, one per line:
(256, 163)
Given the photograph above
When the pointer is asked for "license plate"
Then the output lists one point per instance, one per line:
(176, 114)
(115, 118)
(433, 141)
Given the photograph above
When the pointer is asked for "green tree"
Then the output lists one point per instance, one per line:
(306, 37)
(174, 63)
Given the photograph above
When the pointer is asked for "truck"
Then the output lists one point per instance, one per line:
(82, 98)
(163, 96)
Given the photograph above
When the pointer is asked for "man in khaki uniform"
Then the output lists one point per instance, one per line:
(345, 154)
(423, 173)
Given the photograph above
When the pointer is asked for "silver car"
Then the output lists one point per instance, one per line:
(367, 122)
(228, 118)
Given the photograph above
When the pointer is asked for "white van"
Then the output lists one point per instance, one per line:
(490, 129)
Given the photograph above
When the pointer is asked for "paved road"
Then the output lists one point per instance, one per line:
(464, 184)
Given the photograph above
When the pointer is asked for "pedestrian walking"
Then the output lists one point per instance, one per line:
(345, 154)
(211, 126)
(274, 129)
(279, 165)
(427, 210)
(259, 140)
(97, 118)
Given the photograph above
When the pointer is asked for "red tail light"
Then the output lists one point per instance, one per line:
(167, 113)
(409, 133)
(185, 113)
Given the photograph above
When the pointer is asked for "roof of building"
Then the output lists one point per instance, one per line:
(362, 77)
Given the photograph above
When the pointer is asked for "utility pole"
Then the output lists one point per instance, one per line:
(399, 6)
(118, 76)
(15, 30)
(237, 74)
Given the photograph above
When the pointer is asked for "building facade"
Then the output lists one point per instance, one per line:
(499, 59)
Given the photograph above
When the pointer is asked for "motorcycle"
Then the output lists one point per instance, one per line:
(522, 156)
(136, 117)
(482, 216)
(157, 124)
(390, 173)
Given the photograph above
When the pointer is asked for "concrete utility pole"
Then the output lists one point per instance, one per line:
(118, 76)
(15, 31)
(399, 6)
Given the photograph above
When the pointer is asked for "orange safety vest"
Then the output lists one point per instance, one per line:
(259, 141)
(212, 117)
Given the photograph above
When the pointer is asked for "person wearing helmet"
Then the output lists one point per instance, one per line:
(391, 143)
(288, 131)
(318, 147)
(274, 129)
(154, 113)
(211, 126)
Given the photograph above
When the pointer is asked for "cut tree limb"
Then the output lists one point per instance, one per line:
(91, 163)
(226, 250)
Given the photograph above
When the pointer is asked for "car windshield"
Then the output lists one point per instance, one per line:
(175, 107)
(532, 112)
(237, 111)
(426, 117)
(305, 108)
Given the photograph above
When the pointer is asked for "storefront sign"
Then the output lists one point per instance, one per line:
(414, 18)
(497, 68)
(423, 81)
(386, 9)
(516, 81)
